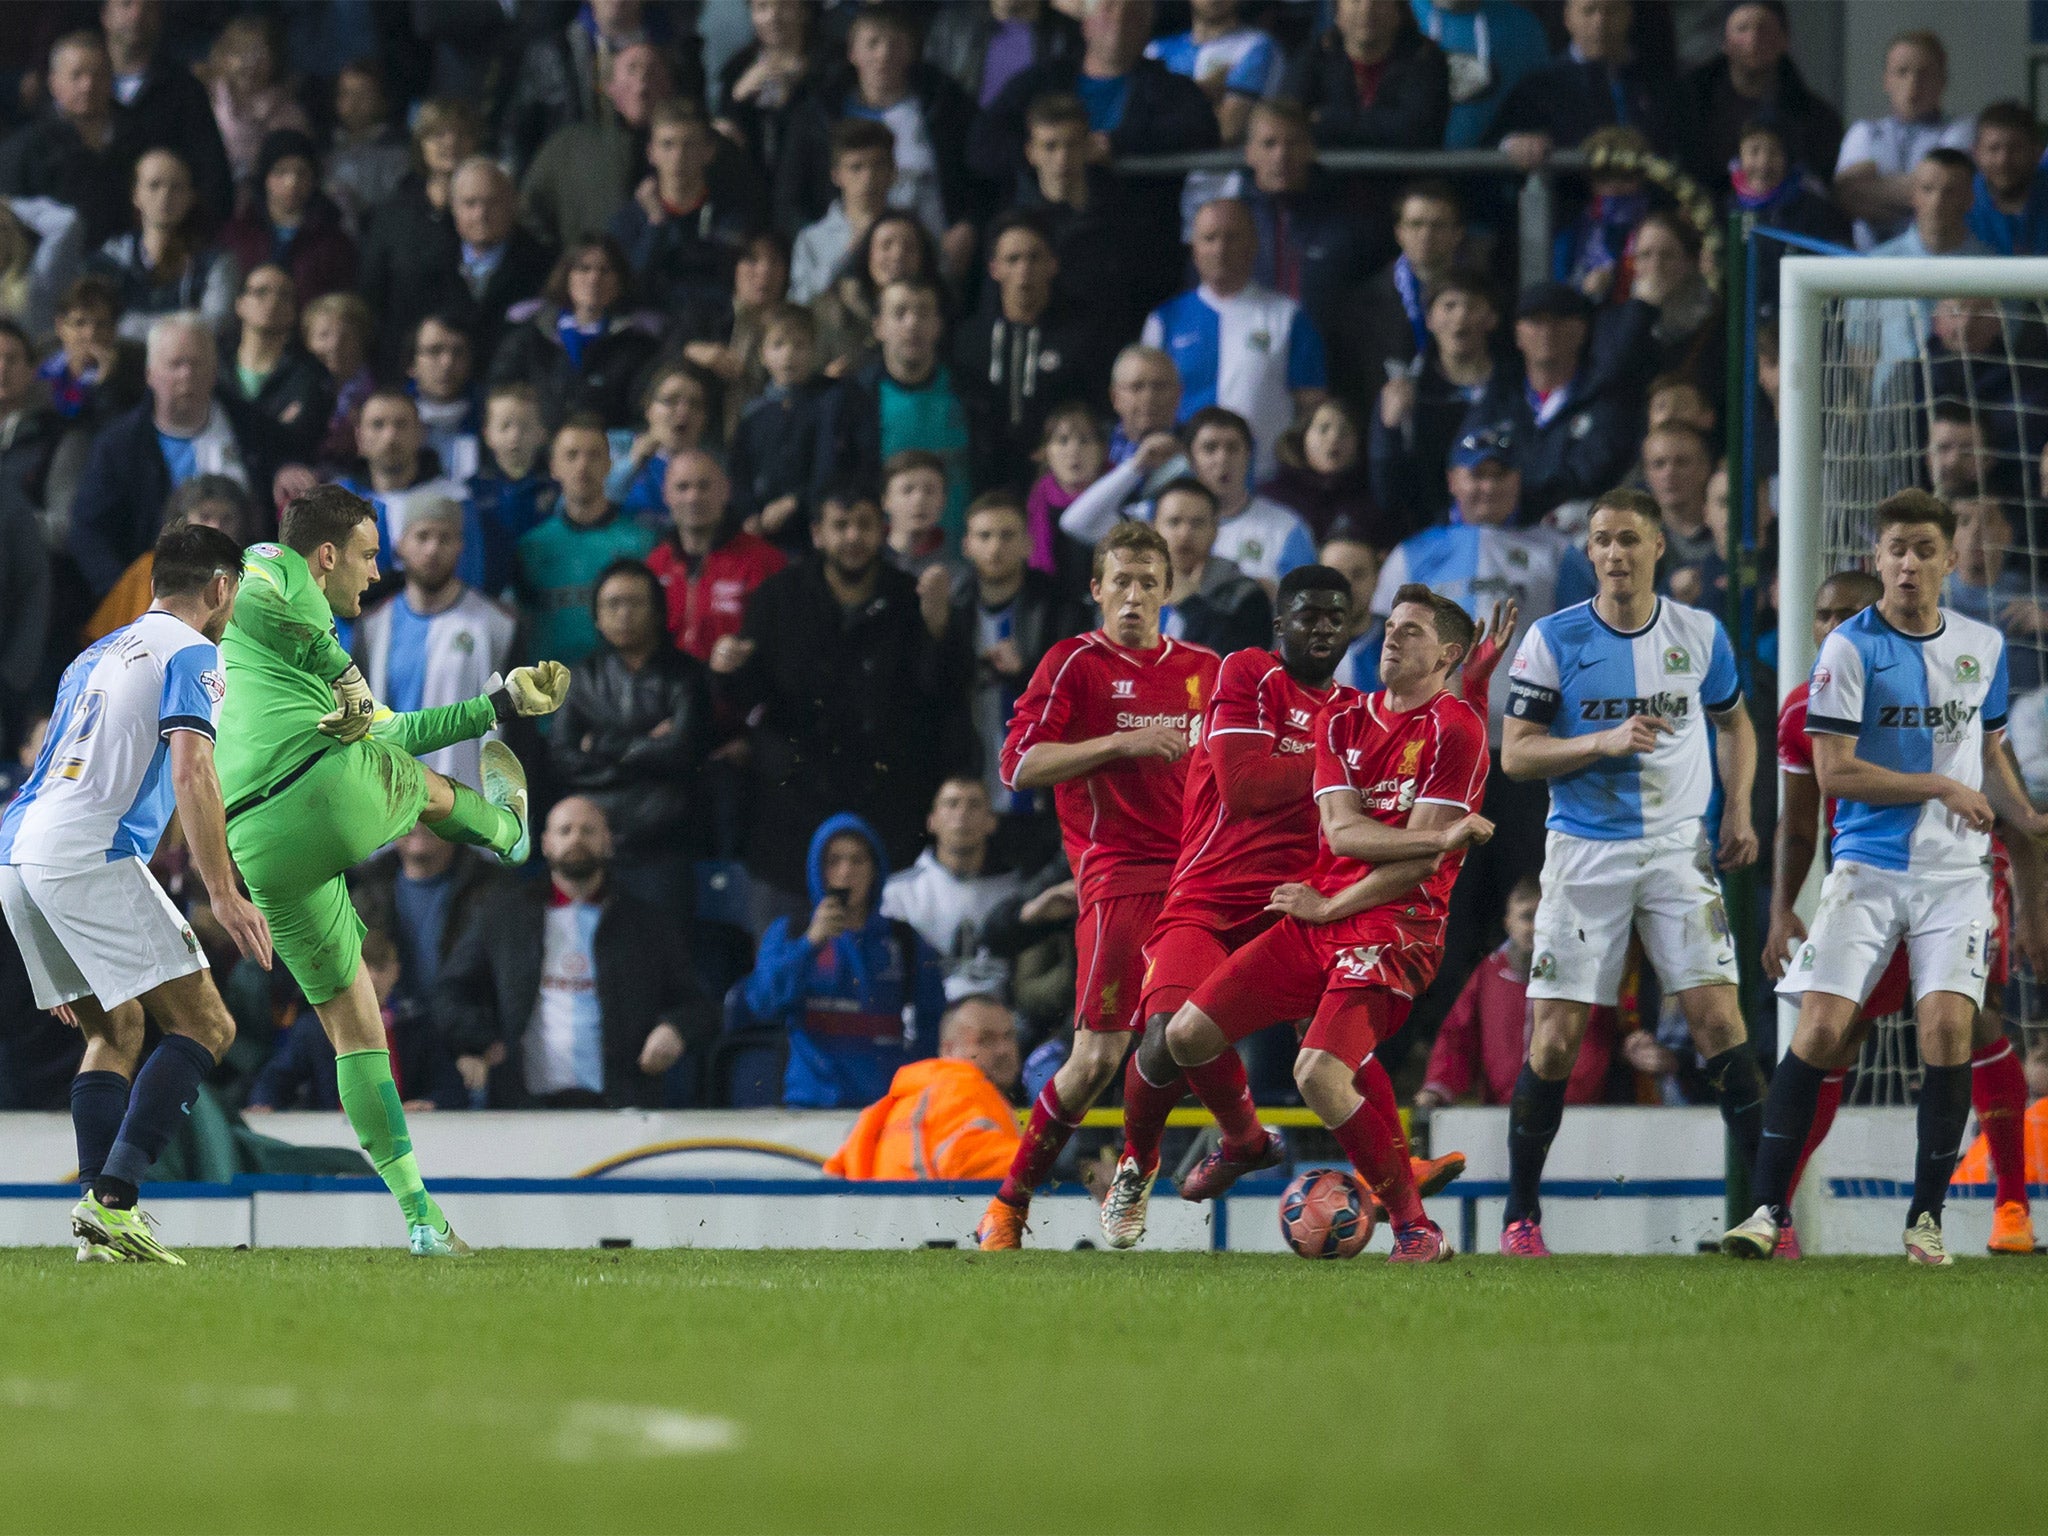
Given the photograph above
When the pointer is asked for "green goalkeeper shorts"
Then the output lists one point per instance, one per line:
(295, 848)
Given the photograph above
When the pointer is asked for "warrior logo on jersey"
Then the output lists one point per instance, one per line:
(1297, 719)
(1123, 688)
(1357, 963)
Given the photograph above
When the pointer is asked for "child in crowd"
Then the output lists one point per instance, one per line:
(1984, 587)
(87, 364)
(249, 102)
(1322, 475)
(369, 157)
(773, 459)
(337, 330)
(1485, 1037)
(509, 488)
(863, 171)
(676, 406)
(1074, 452)
(913, 497)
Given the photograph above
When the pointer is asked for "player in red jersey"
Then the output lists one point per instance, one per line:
(1998, 1083)
(1107, 720)
(1249, 827)
(1396, 776)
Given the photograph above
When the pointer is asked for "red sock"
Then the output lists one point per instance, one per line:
(1998, 1092)
(1044, 1138)
(1824, 1108)
(1146, 1106)
(1372, 1081)
(1381, 1157)
(1221, 1086)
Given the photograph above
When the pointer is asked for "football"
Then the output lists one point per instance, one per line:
(1325, 1214)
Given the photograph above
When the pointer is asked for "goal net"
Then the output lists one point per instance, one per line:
(1930, 372)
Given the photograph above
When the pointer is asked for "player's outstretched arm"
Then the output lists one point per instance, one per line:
(1529, 751)
(1254, 778)
(536, 690)
(1735, 757)
(204, 819)
(1845, 776)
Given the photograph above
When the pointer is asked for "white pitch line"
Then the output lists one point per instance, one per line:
(580, 1431)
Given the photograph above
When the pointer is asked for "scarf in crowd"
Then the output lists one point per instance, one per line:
(1752, 199)
(1409, 286)
(1606, 231)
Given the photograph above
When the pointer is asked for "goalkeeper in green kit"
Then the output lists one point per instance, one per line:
(316, 777)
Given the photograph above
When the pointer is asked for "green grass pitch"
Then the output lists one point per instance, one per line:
(1037, 1392)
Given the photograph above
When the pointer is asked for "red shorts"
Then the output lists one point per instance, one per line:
(1893, 991)
(1185, 947)
(1358, 981)
(1109, 960)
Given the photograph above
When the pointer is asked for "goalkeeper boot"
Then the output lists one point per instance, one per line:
(1123, 1208)
(505, 786)
(1002, 1227)
(1924, 1244)
(428, 1241)
(2012, 1228)
(126, 1232)
(1756, 1238)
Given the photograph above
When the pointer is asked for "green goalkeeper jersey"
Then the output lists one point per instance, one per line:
(281, 656)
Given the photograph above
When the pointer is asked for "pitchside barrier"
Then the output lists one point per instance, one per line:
(1622, 1180)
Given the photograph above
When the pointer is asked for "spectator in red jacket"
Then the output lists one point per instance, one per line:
(1485, 1036)
(706, 566)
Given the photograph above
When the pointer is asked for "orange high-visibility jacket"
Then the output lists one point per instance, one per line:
(1975, 1167)
(941, 1119)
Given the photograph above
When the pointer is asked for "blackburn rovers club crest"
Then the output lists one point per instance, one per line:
(1545, 967)
(1678, 659)
(1966, 669)
(465, 643)
(1357, 963)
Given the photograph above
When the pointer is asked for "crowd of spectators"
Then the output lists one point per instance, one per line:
(776, 366)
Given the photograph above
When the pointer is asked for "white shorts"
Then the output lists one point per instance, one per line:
(108, 932)
(1594, 892)
(1945, 920)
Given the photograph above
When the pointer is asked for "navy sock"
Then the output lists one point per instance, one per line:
(1944, 1116)
(165, 1089)
(1533, 1117)
(1739, 1084)
(98, 1101)
(1788, 1117)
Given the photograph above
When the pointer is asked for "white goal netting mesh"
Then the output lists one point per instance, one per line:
(1951, 395)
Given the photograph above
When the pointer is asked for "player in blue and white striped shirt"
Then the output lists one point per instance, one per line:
(130, 738)
(1907, 720)
(1609, 701)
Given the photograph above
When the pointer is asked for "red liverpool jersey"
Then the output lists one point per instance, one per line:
(1121, 823)
(1433, 754)
(1229, 864)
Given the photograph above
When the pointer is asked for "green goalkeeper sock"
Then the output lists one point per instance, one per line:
(476, 821)
(370, 1099)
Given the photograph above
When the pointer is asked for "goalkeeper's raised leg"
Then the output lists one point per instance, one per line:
(317, 778)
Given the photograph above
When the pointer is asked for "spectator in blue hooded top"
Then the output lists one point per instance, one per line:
(860, 995)
(2009, 211)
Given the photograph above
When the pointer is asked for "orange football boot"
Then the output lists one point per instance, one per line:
(1002, 1226)
(2012, 1228)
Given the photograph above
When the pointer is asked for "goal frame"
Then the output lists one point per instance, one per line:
(1805, 286)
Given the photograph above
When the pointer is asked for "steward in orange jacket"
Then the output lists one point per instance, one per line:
(944, 1117)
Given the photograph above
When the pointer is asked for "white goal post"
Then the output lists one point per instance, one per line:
(1806, 285)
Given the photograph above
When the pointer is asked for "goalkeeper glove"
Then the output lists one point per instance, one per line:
(535, 690)
(354, 708)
